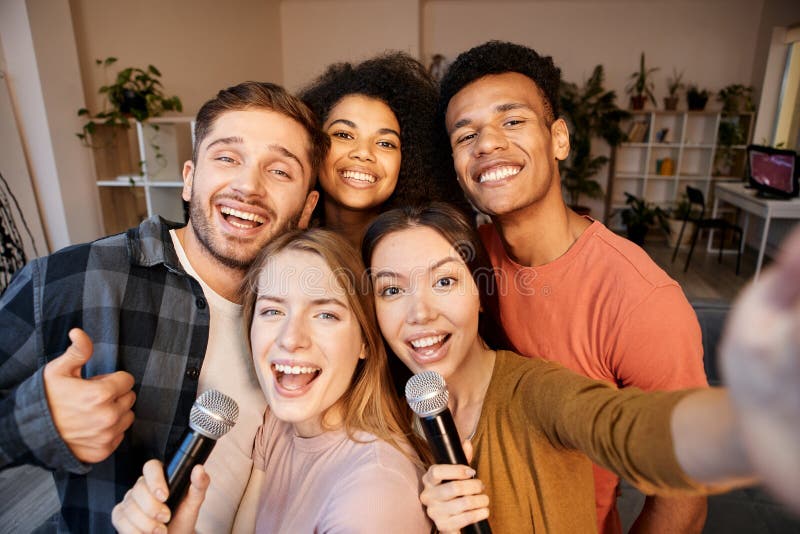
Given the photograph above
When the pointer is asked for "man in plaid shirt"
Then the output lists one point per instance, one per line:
(104, 343)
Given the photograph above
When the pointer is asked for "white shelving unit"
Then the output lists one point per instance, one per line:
(145, 177)
(676, 149)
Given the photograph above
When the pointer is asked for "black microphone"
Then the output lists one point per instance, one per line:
(427, 395)
(213, 415)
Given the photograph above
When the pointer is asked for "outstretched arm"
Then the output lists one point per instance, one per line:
(760, 357)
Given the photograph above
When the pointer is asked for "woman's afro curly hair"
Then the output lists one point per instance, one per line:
(403, 84)
(498, 57)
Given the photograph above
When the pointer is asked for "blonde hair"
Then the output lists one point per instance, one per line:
(369, 405)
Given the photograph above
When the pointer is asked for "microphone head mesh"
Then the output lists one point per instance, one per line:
(213, 414)
(427, 393)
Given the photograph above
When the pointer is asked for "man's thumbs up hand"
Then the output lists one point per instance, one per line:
(91, 415)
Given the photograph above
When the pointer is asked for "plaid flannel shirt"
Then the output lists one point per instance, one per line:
(145, 316)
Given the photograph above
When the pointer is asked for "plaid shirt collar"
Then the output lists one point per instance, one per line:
(150, 244)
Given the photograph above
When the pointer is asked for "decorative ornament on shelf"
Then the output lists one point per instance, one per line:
(640, 86)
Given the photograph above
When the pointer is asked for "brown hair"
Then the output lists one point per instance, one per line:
(266, 96)
(369, 405)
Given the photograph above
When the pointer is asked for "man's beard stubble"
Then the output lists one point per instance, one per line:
(203, 229)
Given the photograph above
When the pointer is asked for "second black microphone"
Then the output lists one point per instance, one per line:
(427, 395)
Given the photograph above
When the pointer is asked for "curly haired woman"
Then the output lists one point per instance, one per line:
(380, 116)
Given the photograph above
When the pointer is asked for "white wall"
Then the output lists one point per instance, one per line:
(200, 46)
(712, 41)
(14, 169)
(319, 32)
(45, 86)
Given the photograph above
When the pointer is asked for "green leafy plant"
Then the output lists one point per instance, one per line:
(736, 97)
(731, 133)
(135, 94)
(674, 84)
(681, 208)
(590, 111)
(696, 98)
(640, 215)
(640, 86)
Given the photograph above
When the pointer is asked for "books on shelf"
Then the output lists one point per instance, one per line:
(638, 131)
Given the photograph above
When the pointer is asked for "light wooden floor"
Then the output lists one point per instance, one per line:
(705, 278)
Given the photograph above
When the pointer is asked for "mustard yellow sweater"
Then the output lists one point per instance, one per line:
(539, 423)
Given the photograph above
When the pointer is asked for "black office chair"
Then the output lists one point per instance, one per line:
(695, 197)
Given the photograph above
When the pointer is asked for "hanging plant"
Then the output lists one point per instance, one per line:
(135, 94)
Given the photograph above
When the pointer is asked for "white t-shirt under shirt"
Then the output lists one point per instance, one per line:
(330, 483)
(228, 368)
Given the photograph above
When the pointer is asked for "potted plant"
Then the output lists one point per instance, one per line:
(640, 86)
(696, 98)
(736, 98)
(640, 215)
(731, 133)
(135, 94)
(590, 112)
(674, 84)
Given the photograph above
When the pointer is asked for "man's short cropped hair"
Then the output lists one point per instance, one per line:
(498, 57)
(262, 96)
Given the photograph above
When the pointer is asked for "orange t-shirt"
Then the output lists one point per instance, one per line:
(605, 310)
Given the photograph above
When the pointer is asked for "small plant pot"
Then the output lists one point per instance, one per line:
(637, 102)
(670, 103)
(130, 101)
(696, 102)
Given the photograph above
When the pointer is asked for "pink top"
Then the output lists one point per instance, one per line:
(330, 483)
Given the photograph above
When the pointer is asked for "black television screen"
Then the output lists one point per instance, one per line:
(773, 171)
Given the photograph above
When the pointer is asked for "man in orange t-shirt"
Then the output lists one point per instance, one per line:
(570, 290)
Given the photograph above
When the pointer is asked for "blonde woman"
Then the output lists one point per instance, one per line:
(332, 454)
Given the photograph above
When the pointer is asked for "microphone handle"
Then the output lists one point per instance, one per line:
(442, 435)
(194, 450)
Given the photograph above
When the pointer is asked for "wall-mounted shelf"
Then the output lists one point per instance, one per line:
(139, 170)
(671, 149)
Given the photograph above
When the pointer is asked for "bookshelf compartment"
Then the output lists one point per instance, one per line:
(140, 170)
(696, 145)
(701, 129)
